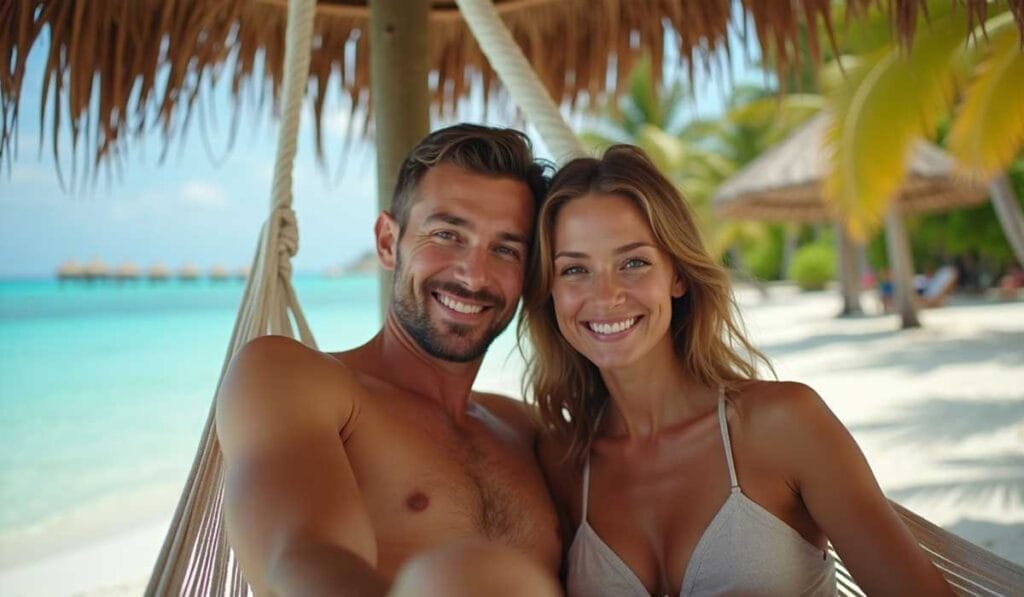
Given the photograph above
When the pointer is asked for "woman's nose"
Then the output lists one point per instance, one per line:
(609, 288)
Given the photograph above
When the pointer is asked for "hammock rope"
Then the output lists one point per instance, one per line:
(195, 558)
(519, 77)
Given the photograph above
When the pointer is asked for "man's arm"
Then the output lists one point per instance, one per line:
(293, 510)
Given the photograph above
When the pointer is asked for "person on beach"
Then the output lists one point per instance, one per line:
(675, 470)
(342, 467)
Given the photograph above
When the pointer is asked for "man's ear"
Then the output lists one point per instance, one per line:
(387, 232)
(678, 286)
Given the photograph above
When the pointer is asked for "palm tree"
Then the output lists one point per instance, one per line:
(893, 97)
(698, 155)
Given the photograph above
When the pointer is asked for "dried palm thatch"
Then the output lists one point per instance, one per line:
(117, 68)
(785, 183)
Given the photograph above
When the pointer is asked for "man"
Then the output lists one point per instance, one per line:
(341, 467)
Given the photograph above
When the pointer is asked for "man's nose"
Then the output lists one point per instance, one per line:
(471, 270)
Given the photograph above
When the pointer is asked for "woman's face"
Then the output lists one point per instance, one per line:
(612, 285)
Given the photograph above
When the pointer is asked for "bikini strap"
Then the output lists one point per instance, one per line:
(734, 483)
(586, 488)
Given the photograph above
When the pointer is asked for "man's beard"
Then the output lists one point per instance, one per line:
(442, 339)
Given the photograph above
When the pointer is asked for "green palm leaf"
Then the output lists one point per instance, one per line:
(988, 130)
(890, 101)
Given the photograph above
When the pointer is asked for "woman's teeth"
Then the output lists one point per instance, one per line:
(455, 305)
(612, 328)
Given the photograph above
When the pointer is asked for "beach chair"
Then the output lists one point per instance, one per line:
(196, 558)
(939, 287)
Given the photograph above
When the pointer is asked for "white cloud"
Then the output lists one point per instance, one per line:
(203, 193)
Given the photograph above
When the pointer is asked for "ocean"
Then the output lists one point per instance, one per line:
(105, 387)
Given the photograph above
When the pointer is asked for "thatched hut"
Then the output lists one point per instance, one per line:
(786, 184)
(95, 269)
(218, 273)
(188, 272)
(158, 272)
(126, 271)
(69, 270)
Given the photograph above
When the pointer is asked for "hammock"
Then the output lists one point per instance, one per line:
(195, 558)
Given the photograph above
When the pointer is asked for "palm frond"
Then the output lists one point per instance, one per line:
(988, 130)
(892, 100)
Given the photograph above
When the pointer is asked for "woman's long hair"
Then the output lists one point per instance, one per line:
(706, 330)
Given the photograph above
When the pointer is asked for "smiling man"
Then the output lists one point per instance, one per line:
(341, 467)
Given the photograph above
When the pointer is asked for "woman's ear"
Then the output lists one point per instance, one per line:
(387, 232)
(678, 286)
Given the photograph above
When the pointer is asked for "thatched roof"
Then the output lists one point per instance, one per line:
(118, 68)
(785, 183)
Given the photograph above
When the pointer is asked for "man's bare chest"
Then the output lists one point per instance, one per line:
(425, 480)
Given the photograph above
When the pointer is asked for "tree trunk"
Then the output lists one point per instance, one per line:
(901, 268)
(849, 277)
(788, 245)
(399, 47)
(741, 272)
(1004, 200)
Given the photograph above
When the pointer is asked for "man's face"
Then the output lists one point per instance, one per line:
(460, 261)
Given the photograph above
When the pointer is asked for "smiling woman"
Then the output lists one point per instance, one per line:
(675, 469)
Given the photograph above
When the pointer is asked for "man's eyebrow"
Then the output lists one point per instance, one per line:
(512, 237)
(623, 249)
(448, 218)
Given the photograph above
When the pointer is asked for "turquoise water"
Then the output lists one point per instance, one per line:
(105, 387)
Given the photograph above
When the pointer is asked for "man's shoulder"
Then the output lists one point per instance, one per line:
(278, 386)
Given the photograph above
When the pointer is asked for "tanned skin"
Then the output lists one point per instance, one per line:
(341, 467)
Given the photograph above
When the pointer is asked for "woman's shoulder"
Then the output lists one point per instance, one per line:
(777, 410)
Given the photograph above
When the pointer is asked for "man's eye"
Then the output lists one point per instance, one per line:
(445, 235)
(507, 252)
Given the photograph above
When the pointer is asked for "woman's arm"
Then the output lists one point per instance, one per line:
(841, 494)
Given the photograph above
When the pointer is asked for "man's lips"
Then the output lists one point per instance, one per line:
(459, 305)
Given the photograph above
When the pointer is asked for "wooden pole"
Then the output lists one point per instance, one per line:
(399, 48)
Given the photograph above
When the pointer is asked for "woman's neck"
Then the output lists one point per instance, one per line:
(652, 395)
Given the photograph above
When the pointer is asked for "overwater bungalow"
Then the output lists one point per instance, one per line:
(69, 270)
(218, 273)
(127, 271)
(96, 269)
(157, 272)
(188, 273)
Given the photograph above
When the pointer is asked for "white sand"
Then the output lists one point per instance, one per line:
(938, 411)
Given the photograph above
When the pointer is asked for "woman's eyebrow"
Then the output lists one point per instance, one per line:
(623, 249)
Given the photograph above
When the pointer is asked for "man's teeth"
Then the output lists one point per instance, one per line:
(612, 328)
(455, 305)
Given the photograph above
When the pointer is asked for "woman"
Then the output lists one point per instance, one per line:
(676, 470)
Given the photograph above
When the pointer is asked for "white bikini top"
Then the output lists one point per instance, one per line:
(744, 550)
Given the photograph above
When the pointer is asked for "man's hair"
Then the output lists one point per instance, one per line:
(502, 153)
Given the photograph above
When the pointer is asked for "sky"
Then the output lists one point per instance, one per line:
(195, 210)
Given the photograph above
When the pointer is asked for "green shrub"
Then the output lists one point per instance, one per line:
(813, 266)
(763, 257)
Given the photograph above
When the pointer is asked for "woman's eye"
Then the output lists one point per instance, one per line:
(635, 263)
(572, 270)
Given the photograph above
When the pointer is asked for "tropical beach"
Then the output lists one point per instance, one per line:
(863, 185)
(938, 412)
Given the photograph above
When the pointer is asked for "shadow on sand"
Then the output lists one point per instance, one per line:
(945, 421)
